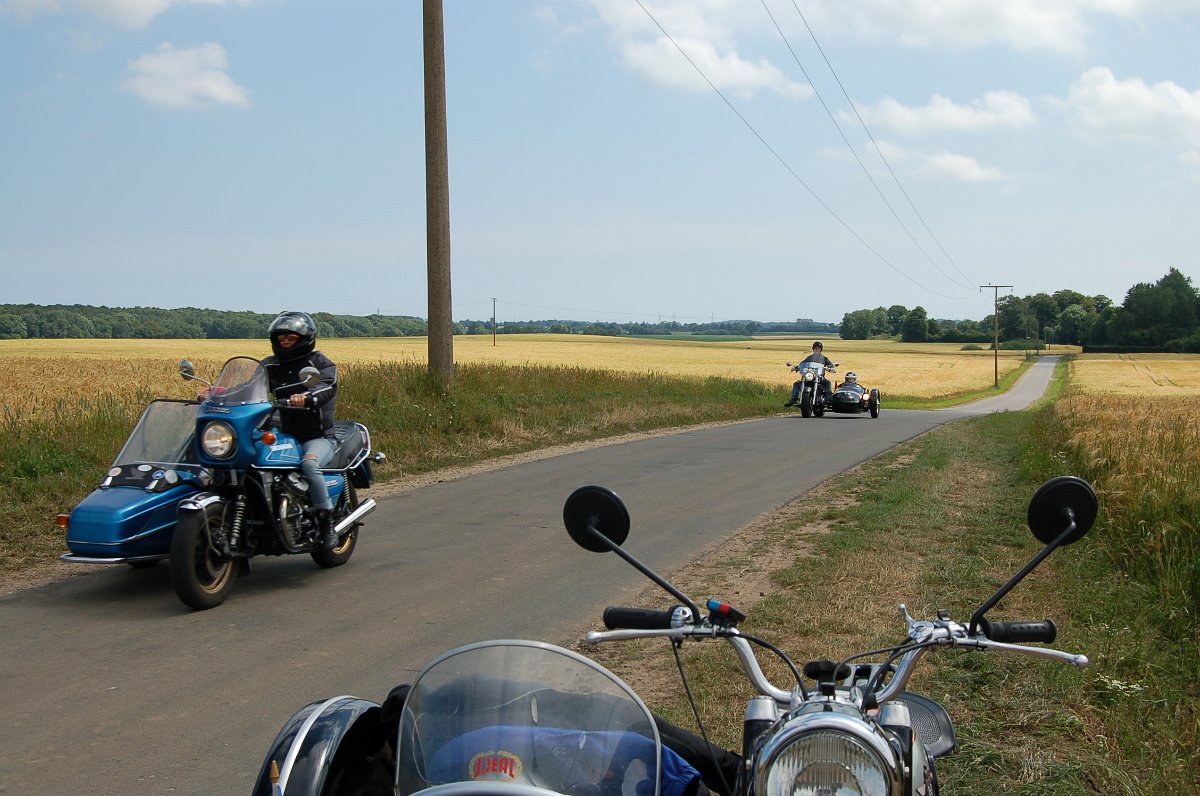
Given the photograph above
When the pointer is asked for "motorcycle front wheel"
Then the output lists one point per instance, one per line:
(806, 405)
(202, 576)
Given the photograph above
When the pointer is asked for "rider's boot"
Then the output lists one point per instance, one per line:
(329, 539)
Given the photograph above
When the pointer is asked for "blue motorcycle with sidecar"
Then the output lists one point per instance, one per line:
(209, 484)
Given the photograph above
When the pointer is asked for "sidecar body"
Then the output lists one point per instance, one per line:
(852, 399)
(130, 517)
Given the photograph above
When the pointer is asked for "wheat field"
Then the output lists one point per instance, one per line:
(35, 374)
(1146, 375)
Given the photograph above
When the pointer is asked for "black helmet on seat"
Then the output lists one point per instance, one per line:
(299, 324)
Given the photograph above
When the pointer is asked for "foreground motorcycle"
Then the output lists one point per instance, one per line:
(531, 719)
(814, 397)
(210, 484)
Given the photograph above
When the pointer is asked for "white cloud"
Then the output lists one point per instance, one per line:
(661, 61)
(943, 165)
(1131, 110)
(960, 168)
(706, 30)
(190, 78)
(995, 110)
(123, 13)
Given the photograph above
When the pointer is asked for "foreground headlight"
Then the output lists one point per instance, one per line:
(824, 763)
(218, 439)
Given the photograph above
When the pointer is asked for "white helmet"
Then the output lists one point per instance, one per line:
(851, 377)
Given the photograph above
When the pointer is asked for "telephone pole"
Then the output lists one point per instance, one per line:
(437, 194)
(995, 327)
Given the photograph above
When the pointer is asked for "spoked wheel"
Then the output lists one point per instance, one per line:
(346, 541)
(202, 575)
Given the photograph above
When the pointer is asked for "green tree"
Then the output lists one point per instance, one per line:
(915, 328)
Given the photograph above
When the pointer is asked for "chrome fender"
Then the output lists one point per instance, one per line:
(303, 753)
(199, 501)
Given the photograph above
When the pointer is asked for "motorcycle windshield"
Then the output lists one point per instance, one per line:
(526, 713)
(242, 381)
(815, 367)
(162, 436)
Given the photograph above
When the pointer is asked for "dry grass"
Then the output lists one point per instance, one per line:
(1146, 375)
(36, 374)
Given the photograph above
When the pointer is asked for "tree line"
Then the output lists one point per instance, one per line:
(19, 321)
(1161, 316)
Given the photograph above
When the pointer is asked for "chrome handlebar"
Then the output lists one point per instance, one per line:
(924, 635)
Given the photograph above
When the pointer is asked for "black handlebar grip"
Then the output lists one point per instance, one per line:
(618, 618)
(1017, 631)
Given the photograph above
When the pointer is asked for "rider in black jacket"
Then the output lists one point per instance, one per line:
(818, 356)
(293, 338)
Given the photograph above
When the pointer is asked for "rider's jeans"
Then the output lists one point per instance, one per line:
(322, 449)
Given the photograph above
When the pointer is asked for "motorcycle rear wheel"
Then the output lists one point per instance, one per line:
(202, 576)
(346, 542)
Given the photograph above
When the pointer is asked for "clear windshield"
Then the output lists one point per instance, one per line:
(517, 712)
(242, 381)
(815, 367)
(162, 436)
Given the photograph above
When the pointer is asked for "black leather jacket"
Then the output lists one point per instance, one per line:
(317, 419)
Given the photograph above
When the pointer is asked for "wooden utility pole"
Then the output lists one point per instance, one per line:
(995, 327)
(437, 195)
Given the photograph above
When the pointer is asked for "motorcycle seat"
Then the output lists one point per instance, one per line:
(351, 439)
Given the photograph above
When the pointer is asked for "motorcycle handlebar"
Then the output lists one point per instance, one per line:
(617, 617)
(1043, 632)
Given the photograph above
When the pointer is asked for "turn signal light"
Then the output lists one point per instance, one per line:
(62, 520)
(268, 437)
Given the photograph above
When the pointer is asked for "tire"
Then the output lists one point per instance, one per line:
(806, 406)
(819, 411)
(873, 403)
(347, 541)
(202, 576)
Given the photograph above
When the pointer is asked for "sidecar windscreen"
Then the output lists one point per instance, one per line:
(242, 381)
(163, 435)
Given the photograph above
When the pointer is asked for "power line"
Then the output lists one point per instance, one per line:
(866, 172)
(785, 164)
(876, 145)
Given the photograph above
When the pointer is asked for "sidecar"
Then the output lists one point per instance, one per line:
(130, 517)
(852, 399)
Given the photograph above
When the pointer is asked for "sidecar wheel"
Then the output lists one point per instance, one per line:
(873, 403)
(202, 576)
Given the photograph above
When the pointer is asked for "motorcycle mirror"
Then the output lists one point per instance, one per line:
(187, 370)
(592, 510)
(310, 376)
(1057, 504)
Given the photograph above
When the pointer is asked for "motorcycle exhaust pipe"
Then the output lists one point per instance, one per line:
(364, 508)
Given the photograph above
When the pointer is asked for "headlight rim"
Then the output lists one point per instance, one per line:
(866, 735)
(230, 440)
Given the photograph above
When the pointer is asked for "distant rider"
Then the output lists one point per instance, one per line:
(293, 338)
(818, 356)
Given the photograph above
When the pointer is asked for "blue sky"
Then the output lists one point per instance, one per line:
(269, 154)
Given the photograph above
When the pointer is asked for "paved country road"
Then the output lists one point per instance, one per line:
(110, 686)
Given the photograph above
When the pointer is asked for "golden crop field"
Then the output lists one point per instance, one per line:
(1148, 375)
(39, 373)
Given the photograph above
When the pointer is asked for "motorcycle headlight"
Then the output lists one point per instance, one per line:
(218, 439)
(833, 759)
(808, 376)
